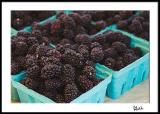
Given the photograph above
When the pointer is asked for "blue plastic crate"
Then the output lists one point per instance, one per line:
(131, 75)
(94, 95)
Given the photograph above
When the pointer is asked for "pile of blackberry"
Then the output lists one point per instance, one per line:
(113, 50)
(62, 73)
(20, 19)
(138, 25)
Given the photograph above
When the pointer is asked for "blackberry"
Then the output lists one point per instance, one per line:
(109, 62)
(20, 60)
(97, 54)
(80, 30)
(89, 63)
(84, 83)
(68, 71)
(112, 36)
(68, 34)
(100, 24)
(85, 53)
(32, 49)
(123, 24)
(119, 65)
(31, 41)
(116, 18)
(100, 39)
(124, 39)
(145, 14)
(125, 14)
(21, 39)
(89, 72)
(50, 71)
(21, 48)
(137, 51)
(146, 26)
(41, 50)
(69, 56)
(33, 72)
(49, 60)
(110, 52)
(52, 84)
(145, 35)
(86, 19)
(76, 17)
(59, 98)
(60, 48)
(50, 94)
(67, 80)
(119, 46)
(30, 83)
(96, 81)
(83, 39)
(129, 58)
(129, 51)
(70, 92)
(68, 22)
(37, 34)
(15, 68)
(44, 41)
(136, 26)
(95, 44)
(65, 41)
(24, 34)
(54, 53)
(30, 61)
(79, 60)
(106, 46)
(82, 46)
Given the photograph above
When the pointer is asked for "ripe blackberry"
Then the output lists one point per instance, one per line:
(119, 64)
(24, 34)
(79, 60)
(116, 18)
(50, 94)
(68, 34)
(100, 39)
(59, 98)
(32, 49)
(125, 14)
(109, 62)
(20, 60)
(21, 39)
(110, 52)
(84, 83)
(30, 61)
(60, 48)
(76, 17)
(68, 71)
(136, 26)
(106, 46)
(95, 44)
(67, 80)
(129, 58)
(31, 41)
(41, 50)
(49, 60)
(80, 30)
(44, 41)
(30, 83)
(89, 72)
(86, 19)
(52, 84)
(97, 54)
(75, 47)
(68, 22)
(37, 34)
(85, 53)
(96, 81)
(15, 68)
(82, 46)
(70, 92)
(69, 56)
(54, 53)
(119, 46)
(65, 41)
(89, 63)
(50, 71)
(33, 72)
(137, 51)
(112, 36)
(129, 51)
(100, 24)
(21, 48)
(123, 24)
(83, 39)
(124, 39)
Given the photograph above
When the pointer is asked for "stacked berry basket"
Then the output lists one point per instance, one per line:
(79, 56)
